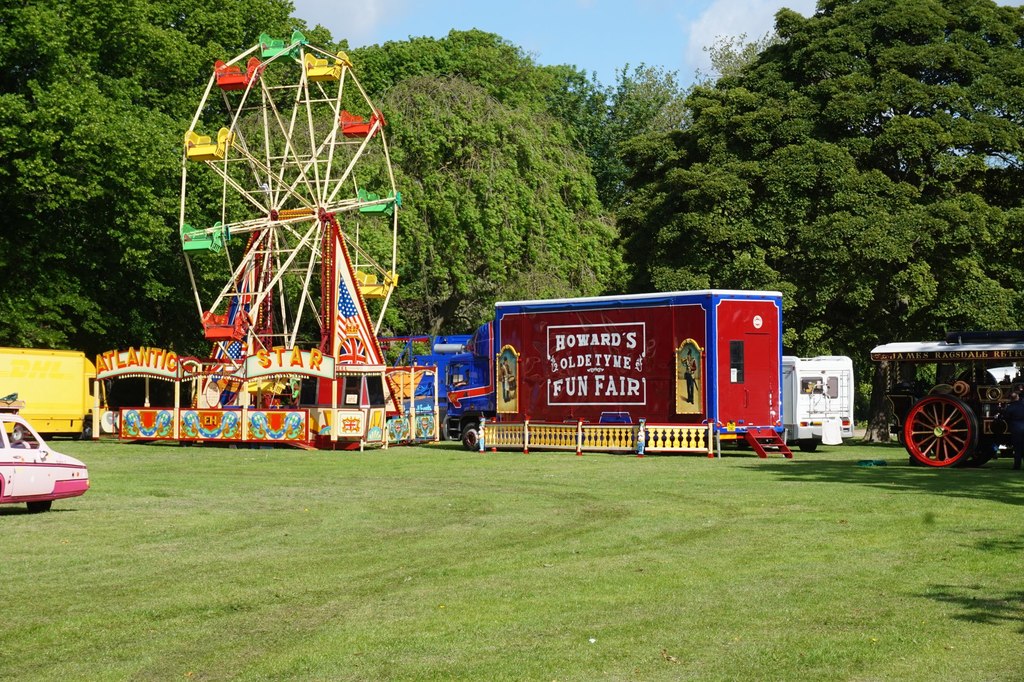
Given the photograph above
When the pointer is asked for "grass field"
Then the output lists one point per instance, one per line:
(438, 564)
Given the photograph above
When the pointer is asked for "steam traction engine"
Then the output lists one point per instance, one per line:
(946, 396)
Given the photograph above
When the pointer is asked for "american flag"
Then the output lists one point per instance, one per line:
(234, 350)
(354, 343)
(347, 310)
(229, 387)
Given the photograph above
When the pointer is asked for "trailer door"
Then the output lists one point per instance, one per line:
(748, 363)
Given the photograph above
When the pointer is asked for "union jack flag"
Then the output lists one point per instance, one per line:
(352, 352)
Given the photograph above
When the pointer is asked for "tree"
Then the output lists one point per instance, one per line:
(645, 100)
(487, 60)
(729, 55)
(602, 120)
(96, 97)
(500, 206)
(499, 199)
(861, 165)
(95, 102)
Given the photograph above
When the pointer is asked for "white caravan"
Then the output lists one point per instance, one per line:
(817, 400)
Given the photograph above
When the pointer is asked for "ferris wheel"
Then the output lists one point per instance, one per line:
(289, 207)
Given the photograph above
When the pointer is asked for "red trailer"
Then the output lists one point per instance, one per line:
(693, 368)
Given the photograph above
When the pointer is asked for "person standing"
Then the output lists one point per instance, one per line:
(1013, 413)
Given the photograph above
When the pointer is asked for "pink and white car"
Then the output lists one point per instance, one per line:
(31, 472)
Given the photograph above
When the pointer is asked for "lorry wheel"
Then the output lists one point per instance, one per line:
(86, 433)
(471, 437)
(807, 445)
(39, 506)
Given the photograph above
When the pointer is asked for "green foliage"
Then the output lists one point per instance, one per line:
(503, 70)
(645, 100)
(95, 99)
(865, 161)
(602, 120)
(729, 55)
(498, 200)
(500, 206)
(861, 164)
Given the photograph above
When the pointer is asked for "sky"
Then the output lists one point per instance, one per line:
(596, 36)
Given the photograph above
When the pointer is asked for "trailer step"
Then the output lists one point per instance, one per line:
(767, 441)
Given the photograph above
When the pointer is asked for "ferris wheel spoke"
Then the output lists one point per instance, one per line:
(286, 132)
(292, 254)
(218, 168)
(332, 139)
(310, 167)
(277, 201)
(304, 300)
(340, 183)
(363, 254)
(327, 147)
(230, 288)
(239, 135)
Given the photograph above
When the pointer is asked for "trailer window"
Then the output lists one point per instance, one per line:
(810, 385)
(736, 362)
(832, 387)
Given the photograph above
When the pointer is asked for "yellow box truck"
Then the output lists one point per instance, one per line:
(55, 386)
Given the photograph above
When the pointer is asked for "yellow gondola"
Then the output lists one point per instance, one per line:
(202, 148)
(321, 70)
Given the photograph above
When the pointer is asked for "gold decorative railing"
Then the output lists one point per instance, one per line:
(609, 437)
(580, 437)
(679, 438)
(503, 436)
(554, 436)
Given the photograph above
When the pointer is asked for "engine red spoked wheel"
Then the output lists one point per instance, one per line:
(940, 431)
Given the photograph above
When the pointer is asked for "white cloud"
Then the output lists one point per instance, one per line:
(755, 18)
(356, 20)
